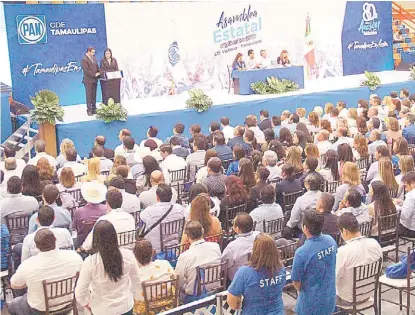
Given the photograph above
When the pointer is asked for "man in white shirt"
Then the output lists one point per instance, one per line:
(77, 168)
(149, 198)
(381, 151)
(251, 124)
(130, 202)
(10, 170)
(341, 107)
(152, 135)
(105, 164)
(228, 131)
(251, 63)
(269, 160)
(334, 115)
(357, 251)
(342, 138)
(264, 61)
(375, 137)
(14, 202)
(8, 153)
(153, 213)
(120, 219)
(236, 253)
(45, 220)
(200, 253)
(376, 102)
(171, 162)
(323, 143)
(49, 264)
(120, 149)
(130, 152)
(268, 210)
(40, 148)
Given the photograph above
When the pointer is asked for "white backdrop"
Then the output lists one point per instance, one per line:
(140, 35)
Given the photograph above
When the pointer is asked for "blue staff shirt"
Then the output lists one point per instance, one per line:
(262, 293)
(315, 267)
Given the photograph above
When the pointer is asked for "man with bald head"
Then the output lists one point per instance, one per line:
(342, 135)
(376, 140)
(49, 264)
(149, 198)
(323, 143)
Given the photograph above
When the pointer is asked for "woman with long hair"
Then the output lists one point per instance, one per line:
(351, 121)
(345, 154)
(283, 58)
(200, 209)
(286, 137)
(279, 149)
(31, 181)
(247, 173)
(238, 154)
(361, 105)
(269, 136)
(47, 173)
(94, 171)
(360, 149)
(67, 183)
(256, 158)
(385, 173)
(202, 173)
(314, 120)
(381, 205)
(311, 150)
(294, 159)
(265, 264)
(330, 171)
(302, 127)
(406, 165)
(350, 178)
(235, 195)
(326, 125)
(396, 108)
(399, 148)
(61, 158)
(107, 276)
(143, 181)
(327, 109)
(194, 191)
(361, 125)
(238, 62)
(300, 139)
(394, 132)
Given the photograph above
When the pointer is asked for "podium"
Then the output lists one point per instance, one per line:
(110, 86)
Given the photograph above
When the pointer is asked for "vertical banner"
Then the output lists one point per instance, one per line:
(367, 37)
(46, 45)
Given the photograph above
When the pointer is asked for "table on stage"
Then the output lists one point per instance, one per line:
(243, 79)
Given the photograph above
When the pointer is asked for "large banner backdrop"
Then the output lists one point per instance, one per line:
(46, 45)
(171, 47)
(367, 37)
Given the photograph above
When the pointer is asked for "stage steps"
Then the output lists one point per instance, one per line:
(22, 140)
(403, 20)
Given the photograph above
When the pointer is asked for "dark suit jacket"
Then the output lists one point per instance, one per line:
(90, 69)
(105, 66)
(286, 186)
(108, 153)
(182, 152)
(265, 124)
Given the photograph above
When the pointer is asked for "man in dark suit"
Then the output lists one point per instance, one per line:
(265, 121)
(108, 153)
(90, 80)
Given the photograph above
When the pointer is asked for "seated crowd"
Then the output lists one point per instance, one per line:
(237, 197)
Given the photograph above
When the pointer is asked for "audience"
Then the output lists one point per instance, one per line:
(324, 205)
(314, 269)
(177, 149)
(178, 132)
(100, 141)
(224, 152)
(105, 163)
(407, 222)
(269, 161)
(11, 153)
(71, 162)
(289, 184)
(261, 175)
(171, 161)
(200, 253)
(120, 150)
(152, 133)
(130, 203)
(149, 198)
(31, 181)
(352, 203)
(40, 148)
(357, 251)
(61, 159)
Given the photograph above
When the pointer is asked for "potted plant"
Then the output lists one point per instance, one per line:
(274, 86)
(45, 113)
(198, 100)
(372, 81)
(111, 112)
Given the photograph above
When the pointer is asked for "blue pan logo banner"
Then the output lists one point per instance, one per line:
(31, 29)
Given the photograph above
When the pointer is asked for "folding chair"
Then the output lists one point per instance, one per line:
(288, 201)
(274, 227)
(69, 247)
(393, 192)
(230, 214)
(217, 238)
(365, 281)
(363, 164)
(79, 178)
(18, 227)
(77, 196)
(136, 215)
(178, 175)
(63, 292)
(402, 285)
(387, 233)
(366, 228)
(127, 238)
(331, 187)
(171, 232)
(160, 296)
(183, 189)
(172, 252)
(105, 173)
(226, 163)
(212, 278)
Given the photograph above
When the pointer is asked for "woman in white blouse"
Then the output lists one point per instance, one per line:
(109, 276)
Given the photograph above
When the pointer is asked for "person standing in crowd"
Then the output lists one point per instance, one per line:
(261, 282)
(91, 72)
(314, 269)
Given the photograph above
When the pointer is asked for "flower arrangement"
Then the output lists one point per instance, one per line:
(111, 112)
(274, 86)
(198, 100)
(372, 81)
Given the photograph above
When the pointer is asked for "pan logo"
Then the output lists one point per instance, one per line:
(31, 29)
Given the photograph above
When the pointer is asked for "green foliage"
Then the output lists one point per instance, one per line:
(274, 86)
(46, 108)
(198, 100)
(111, 112)
(412, 73)
(372, 81)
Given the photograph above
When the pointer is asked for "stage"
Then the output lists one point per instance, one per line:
(163, 112)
